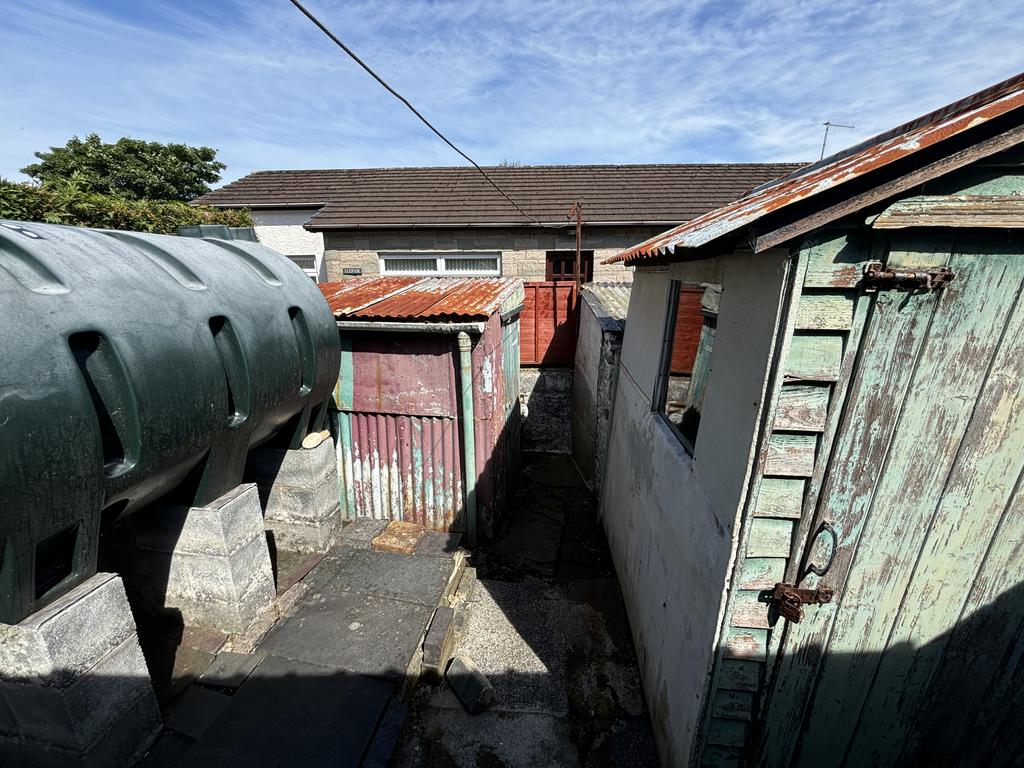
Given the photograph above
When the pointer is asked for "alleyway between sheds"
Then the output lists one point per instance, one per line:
(547, 625)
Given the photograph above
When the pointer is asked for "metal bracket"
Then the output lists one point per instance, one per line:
(877, 277)
(788, 601)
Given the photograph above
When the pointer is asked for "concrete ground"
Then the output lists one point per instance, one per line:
(547, 625)
(327, 684)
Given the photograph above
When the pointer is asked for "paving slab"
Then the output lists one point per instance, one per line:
(167, 752)
(439, 544)
(290, 713)
(352, 632)
(389, 575)
(360, 532)
(389, 730)
(229, 670)
(400, 537)
(195, 711)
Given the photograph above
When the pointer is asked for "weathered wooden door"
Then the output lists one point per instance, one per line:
(918, 661)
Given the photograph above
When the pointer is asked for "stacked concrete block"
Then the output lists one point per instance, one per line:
(209, 563)
(299, 489)
(74, 687)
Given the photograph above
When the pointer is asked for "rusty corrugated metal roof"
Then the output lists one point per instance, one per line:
(853, 163)
(420, 298)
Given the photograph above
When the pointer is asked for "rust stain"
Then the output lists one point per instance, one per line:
(841, 168)
(419, 298)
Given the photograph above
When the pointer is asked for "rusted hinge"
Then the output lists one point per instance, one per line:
(878, 277)
(789, 601)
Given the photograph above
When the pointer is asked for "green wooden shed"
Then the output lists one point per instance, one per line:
(823, 557)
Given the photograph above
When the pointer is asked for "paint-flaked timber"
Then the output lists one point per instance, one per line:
(802, 408)
(973, 211)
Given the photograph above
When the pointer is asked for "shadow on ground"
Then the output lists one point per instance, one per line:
(547, 625)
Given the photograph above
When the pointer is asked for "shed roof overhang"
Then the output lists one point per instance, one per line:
(874, 172)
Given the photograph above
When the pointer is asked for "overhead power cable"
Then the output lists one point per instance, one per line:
(412, 109)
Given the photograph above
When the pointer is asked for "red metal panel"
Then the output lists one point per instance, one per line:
(548, 330)
(403, 373)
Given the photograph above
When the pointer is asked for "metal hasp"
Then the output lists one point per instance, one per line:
(139, 367)
(877, 277)
(788, 601)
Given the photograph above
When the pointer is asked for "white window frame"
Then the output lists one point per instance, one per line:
(440, 265)
(314, 271)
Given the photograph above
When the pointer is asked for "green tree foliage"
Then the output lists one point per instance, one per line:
(130, 169)
(68, 202)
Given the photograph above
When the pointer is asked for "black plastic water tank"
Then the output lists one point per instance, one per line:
(136, 367)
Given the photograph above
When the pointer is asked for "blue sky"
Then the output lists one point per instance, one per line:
(533, 82)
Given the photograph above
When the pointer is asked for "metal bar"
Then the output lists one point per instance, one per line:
(468, 433)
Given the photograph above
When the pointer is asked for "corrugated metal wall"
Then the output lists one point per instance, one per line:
(402, 467)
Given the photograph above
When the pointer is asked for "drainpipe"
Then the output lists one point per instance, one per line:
(468, 433)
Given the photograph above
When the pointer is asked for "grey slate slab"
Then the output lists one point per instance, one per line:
(195, 711)
(386, 738)
(439, 544)
(347, 631)
(229, 670)
(382, 574)
(359, 533)
(293, 714)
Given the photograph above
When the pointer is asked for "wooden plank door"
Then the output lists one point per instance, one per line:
(919, 658)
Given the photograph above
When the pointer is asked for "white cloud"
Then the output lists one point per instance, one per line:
(536, 82)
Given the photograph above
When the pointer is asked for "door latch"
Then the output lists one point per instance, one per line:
(877, 276)
(789, 601)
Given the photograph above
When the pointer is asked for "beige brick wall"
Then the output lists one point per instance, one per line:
(522, 250)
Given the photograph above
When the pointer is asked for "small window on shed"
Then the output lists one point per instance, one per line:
(690, 325)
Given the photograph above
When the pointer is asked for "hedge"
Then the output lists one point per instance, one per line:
(67, 204)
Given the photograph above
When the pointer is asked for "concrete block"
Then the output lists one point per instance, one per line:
(74, 686)
(212, 564)
(63, 640)
(469, 684)
(299, 489)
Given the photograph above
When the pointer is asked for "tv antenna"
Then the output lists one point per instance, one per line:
(829, 124)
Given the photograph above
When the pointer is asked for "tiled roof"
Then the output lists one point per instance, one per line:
(923, 136)
(421, 298)
(416, 197)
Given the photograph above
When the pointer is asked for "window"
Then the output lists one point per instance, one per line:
(561, 265)
(307, 263)
(454, 264)
(690, 325)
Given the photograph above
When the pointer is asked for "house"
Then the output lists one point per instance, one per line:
(427, 404)
(452, 221)
(818, 528)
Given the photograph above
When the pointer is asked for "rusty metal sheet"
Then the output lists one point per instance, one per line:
(403, 374)
(419, 298)
(404, 468)
(881, 151)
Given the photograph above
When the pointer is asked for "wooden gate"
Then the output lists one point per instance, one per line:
(548, 324)
(919, 660)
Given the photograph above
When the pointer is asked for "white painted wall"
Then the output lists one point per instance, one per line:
(672, 519)
(281, 229)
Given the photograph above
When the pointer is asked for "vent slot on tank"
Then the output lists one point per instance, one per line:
(266, 274)
(235, 367)
(112, 399)
(162, 258)
(304, 343)
(55, 559)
